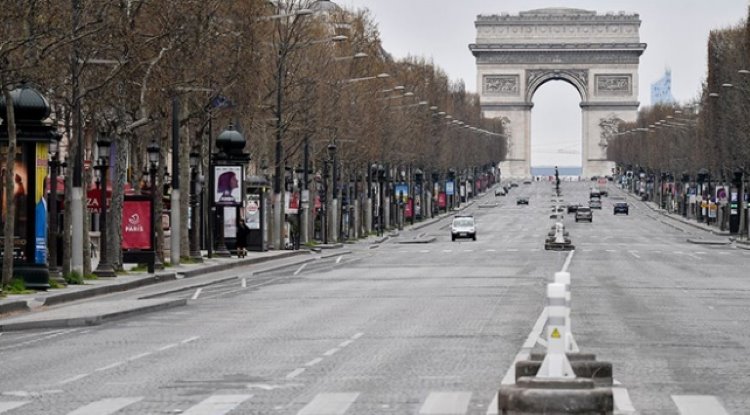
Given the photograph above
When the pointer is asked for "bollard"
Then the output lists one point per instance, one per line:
(570, 343)
(555, 362)
(559, 237)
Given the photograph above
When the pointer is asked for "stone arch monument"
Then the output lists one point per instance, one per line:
(597, 54)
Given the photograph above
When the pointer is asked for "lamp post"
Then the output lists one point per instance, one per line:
(195, 190)
(54, 164)
(104, 269)
(154, 151)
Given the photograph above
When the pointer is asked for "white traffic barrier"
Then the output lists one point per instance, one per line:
(559, 233)
(570, 342)
(556, 364)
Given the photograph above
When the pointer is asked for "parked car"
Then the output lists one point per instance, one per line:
(584, 213)
(514, 184)
(463, 226)
(621, 207)
(595, 203)
(522, 201)
(573, 207)
(527, 182)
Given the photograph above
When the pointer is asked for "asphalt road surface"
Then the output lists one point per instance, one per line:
(404, 328)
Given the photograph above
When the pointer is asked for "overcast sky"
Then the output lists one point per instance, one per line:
(675, 31)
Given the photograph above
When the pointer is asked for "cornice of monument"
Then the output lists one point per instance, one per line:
(557, 15)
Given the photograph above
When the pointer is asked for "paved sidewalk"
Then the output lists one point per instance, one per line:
(720, 237)
(14, 304)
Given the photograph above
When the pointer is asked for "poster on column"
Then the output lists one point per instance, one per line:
(252, 211)
(227, 190)
(230, 222)
(40, 212)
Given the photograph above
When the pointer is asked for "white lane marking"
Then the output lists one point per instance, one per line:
(73, 379)
(468, 250)
(112, 366)
(488, 250)
(197, 293)
(623, 405)
(635, 255)
(138, 356)
(45, 336)
(345, 343)
(167, 347)
(446, 403)
(567, 261)
(244, 283)
(301, 267)
(105, 406)
(700, 253)
(329, 404)
(447, 251)
(7, 406)
(358, 335)
(314, 361)
(610, 250)
(698, 405)
(217, 405)
(331, 352)
(294, 373)
(190, 339)
(511, 250)
(711, 307)
(424, 251)
(338, 260)
(493, 410)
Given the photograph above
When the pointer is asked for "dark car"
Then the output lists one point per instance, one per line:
(621, 207)
(573, 207)
(584, 213)
(514, 184)
(522, 201)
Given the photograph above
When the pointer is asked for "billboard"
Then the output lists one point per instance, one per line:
(227, 189)
(136, 224)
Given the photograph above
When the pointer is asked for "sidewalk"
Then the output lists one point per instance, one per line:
(15, 305)
(721, 237)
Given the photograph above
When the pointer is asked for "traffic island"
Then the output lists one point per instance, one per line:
(550, 396)
(585, 366)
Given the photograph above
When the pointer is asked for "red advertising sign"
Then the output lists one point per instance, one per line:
(93, 200)
(441, 200)
(136, 224)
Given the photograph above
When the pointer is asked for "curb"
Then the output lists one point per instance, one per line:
(90, 320)
(108, 289)
(699, 241)
(229, 265)
(15, 306)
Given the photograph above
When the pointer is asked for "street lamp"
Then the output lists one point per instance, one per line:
(153, 152)
(195, 190)
(104, 269)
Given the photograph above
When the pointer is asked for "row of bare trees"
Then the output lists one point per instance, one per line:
(114, 68)
(711, 132)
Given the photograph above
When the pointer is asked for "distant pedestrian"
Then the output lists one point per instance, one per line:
(242, 232)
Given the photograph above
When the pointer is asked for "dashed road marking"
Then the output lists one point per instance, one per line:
(314, 361)
(217, 405)
(346, 343)
(623, 405)
(197, 294)
(338, 260)
(7, 406)
(634, 254)
(190, 339)
(167, 347)
(331, 352)
(329, 404)
(446, 403)
(106, 406)
(698, 405)
(294, 373)
(300, 269)
(110, 366)
(73, 379)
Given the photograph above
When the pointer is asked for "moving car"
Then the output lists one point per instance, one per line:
(584, 213)
(527, 182)
(522, 201)
(514, 184)
(595, 203)
(500, 192)
(463, 226)
(621, 207)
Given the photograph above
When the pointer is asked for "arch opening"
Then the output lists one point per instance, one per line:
(556, 127)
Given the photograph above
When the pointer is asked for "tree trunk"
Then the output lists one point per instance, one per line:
(10, 207)
(114, 228)
(184, 192)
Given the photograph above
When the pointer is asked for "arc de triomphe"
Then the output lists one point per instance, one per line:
(597, 54)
